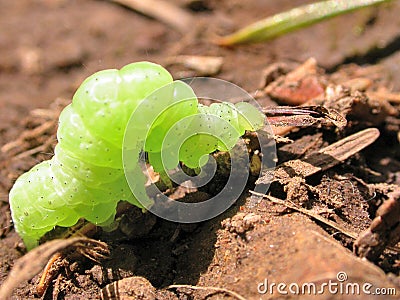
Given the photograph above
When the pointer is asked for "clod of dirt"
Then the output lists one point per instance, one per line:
(241, 222)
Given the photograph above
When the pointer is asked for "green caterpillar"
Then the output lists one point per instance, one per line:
(86, 177)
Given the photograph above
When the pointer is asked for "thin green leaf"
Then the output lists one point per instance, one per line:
(294, 19)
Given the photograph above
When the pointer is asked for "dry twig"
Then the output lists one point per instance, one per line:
(48, 273)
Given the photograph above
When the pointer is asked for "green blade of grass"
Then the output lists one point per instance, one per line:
(293, 19)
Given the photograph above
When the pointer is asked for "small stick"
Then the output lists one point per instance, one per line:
(308, 213)
(48, 273)
(35, 150)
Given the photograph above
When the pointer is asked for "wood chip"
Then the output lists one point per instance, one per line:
(323, 159)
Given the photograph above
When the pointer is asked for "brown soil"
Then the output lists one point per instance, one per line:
(49, 47)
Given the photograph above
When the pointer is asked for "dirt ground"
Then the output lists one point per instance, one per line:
(47, 47)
